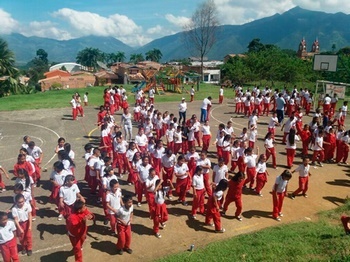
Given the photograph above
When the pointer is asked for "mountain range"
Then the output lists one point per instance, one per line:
(284, 30)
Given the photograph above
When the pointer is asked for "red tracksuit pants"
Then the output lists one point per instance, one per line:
(238, 203)
(303, 185)
(198, 202)
(251, 173)
(277, 199)
(124, 236)
(213, 214)
(9, 251)
(26, 238)
(271, 152)
(261, 179)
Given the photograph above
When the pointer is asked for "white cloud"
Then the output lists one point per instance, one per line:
(179, 21)
(8, 24)
(45, 29)
(155, 30)
(116, 25)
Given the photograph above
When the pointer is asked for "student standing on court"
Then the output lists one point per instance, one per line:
(22, 215)
(304, 174)
(261, 174)
(234, 194)
(124, 217)
(182, 110)
(280, 104)
(181, 173)
(8, 242)
(2, 184)
(204, 108)
(77, 228)
(198, 192)
(249, 159)
(279, 191)
(221, 94)
(113, 202)
(192, 93)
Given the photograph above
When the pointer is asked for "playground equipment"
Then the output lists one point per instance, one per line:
(138, 87)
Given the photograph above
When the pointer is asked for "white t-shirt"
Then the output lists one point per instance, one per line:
(151, 183)
(59, 177)
(198, 182)
(114, 200)
(178, 137)
(273, 121)
(281, 184)
(221, 92)
(220, 173)
(294, 146)
(250, 160)
(318, 144)
(204, 162)
(35, 152)
(144, 172)
(107, 179)
(96, 164)
(269, 143)
(205, 130)
(168, 161)
(181, 170)
(159, 196)
(69, 194)
(182, 107)
(141, 140)
(22, 213)
(261, 167)
(303, 170)
(205, 103)
(327, 100)
(6, 232)
(125, 214)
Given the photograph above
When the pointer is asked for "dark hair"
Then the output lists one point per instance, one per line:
(267, 135)
(31, 143)
(107, 170)
(221, 186)
(88, 147)
(107, 159)
(26, 176)
(60, 139)
(180, 157)
(198, 169)
(67, 147)
(63, 155)
(113, 182)
(291, 136)
(18, 197)
(58, 165)
(18, 186)
(286, 174)
(237, 176)
(3, 214)
(68, 178)
(24, 150)
(78, 205)
(126, 198)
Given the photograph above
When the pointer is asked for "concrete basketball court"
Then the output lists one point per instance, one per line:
(328, 188)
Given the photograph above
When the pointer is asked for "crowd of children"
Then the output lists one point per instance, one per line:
(164, 159)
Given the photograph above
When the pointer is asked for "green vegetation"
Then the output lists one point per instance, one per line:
(323, 240)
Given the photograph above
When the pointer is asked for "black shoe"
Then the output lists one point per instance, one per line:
(29, 253)
(128, 250)
(105, 222)
(120, 251)
(24, 251)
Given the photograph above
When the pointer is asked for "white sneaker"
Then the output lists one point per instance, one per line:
(158, 235)
(138, 204)
(60, 217)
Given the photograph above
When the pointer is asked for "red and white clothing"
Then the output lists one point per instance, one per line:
(250, 161)
(8, 243)
(141, 141)
(219, 173)
(198, 201)
(182, 180)
(261, 177)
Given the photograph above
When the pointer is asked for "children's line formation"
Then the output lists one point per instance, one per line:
(163, 160)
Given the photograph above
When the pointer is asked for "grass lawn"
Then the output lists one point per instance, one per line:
(323, 240)
(61, 98)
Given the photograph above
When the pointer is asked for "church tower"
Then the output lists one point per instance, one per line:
(302, 53)
(315, 47)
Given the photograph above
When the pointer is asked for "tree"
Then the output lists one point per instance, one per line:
(255, 45)
(135, 58)
(89, 57)
(200, 33)
(42, 55)
(154, 55)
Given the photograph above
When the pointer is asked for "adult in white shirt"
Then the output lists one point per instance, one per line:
(204, 107)
(182, 110)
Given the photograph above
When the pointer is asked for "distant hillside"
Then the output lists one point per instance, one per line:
(284, 30)
(60, 51)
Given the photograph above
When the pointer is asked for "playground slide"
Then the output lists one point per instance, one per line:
(138, 87)
(148, 87)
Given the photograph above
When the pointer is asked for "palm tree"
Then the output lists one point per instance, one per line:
(8, 73)
(135, 58)
(120, 56)
(89, 57)
(154, 55)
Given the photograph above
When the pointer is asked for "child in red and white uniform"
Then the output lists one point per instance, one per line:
(191, 157)
(198, 192)
(94, 170)
(77, 228)
(150, 185)
(219, 141)
(143, 173)
(137, 113)
(238, 103)
(234, 155)
(157, 155)
(141, 141)
(38, 155)
(80, 109)
(124, 217)
(272, 125)
(119, 157)
(191, 140)
(247, 106)
(160, 210)
(305, 136)
(226, 149)
(279, 191)
(258, 105)
(261, 174)
(106, 142)
(221, 94)
(205, 164)
(2, 184)
(181, 173)
(28, 185)
(8, 242)
(252, 136)
(250, 160)
(220, 171)
(132, 150)
(57, 178)
(318, 149)
(168, 163)
(192, 92)
(213, 212)
(177, 140)
(266, 104)
(304, 174)
(158, 125)
(291, 147)
(22, 163)
(287, 126)
(343, 145)
(73, 103)
(22, 215)
(69, 193)
(108, 176)
(240, 155)
(270, 149)
(113, 202)
(169, 134)
(234, 194)
(329, 145)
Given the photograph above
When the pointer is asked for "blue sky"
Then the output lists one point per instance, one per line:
(135, 22)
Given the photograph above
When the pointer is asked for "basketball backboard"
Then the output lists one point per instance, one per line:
(326, 63)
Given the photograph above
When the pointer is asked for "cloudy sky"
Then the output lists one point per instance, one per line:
(135, 22)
